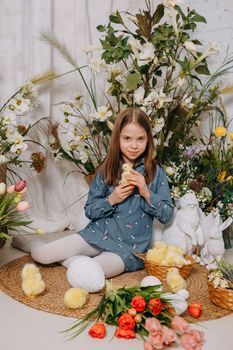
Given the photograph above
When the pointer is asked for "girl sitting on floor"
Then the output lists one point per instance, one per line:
(121, 214)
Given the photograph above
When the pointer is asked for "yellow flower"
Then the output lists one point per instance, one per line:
(231, 136)
(220, 131)
(18, 198)
(229, 178)
(40, 231)
(221, 176)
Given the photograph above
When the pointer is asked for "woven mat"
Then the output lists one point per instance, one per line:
(56, 285)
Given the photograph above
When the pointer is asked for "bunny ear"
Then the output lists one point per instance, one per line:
(225, 224)
(217, 220)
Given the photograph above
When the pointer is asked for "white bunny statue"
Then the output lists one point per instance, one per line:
(185, 230)
(213, 248)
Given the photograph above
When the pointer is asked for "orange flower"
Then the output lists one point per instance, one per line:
(138, 303)
(138, 318)
(126, 321)
(125, 333)
(155, 306)
(98, 330)
(195, 310)
(132, 312)
(169, 308)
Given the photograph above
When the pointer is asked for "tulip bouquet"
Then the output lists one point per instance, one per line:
(12, 206)
(138, 310)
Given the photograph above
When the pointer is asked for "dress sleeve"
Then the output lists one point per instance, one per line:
(160, 206)
(97, 205)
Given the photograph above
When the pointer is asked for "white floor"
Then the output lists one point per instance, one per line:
(24, 328)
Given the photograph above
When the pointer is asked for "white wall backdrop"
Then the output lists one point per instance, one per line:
(74, 22)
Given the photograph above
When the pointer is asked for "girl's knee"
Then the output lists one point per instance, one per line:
(39, 255)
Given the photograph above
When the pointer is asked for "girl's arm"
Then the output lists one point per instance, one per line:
(97, 205)
(160, 203)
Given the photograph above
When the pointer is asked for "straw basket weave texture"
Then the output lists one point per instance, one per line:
(221, 297)
(160, 271)
(56, 285)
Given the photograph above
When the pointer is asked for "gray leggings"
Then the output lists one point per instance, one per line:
(65, 250)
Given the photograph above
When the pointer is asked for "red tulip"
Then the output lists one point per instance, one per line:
(126, 321)
(138, 303)
(98, 330)
(155, 306)
(125, 333)
(195, 310)
(20, 186)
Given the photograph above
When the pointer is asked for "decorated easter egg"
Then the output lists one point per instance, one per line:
(84, 272)
(151, 281)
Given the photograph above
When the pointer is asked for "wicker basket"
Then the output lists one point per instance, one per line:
(220, 296)
(160, 271)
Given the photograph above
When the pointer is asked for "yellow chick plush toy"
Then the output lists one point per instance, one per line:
(157, 253)
(155, 256)
(173, 259)
(75, 298)
(174, 280)
(126, 172)
(32, 282)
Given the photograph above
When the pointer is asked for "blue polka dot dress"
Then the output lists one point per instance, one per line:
(126, 227)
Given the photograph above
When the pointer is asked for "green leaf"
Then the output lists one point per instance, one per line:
(101, 28)
(132, 81)
(178, 9)
(196, 42)
(198, 18)
(158, 14)
(202, 69)
(116, 18)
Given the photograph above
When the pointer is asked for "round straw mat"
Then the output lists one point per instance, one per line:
(54, 277)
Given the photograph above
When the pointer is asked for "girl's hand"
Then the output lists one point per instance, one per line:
(120, 193)
(138, 180)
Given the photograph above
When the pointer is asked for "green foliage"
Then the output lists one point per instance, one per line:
(10, 217)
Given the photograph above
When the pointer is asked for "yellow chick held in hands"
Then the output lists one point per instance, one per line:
(32, 282)
(174, 280)
(126, 172)
(75, 298)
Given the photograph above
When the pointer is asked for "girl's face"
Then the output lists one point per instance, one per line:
(133, 142)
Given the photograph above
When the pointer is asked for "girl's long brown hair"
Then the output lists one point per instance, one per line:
(111, 166)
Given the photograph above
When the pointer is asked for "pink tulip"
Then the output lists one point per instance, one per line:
(192, 340)
(10, 189)
(148, 346)
(19, 186)
(179, 324)
(169, 335)
(153, 326)
(156, 341)
(24, 190)
(22, 206)
(197, 335)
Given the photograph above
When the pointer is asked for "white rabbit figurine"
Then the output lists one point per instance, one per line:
(213, 248)
(185, 230)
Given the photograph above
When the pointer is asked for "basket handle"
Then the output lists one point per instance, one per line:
(140, 256)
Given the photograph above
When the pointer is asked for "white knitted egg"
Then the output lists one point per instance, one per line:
(151, 281)
(84, 272)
